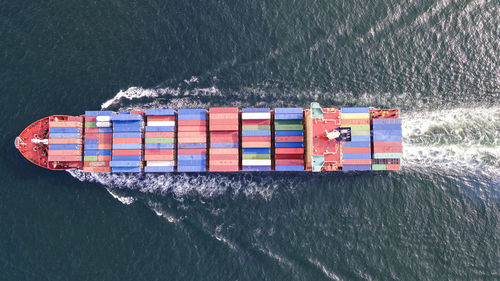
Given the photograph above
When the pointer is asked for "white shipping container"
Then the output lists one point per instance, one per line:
(256, 162)
(255, 115)
(160, 163)
(103, 124)
(103, 118)
(161, 123)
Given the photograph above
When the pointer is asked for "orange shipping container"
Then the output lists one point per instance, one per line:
(104, 158)
(127, 140)
(104, 146)
(393, 167)
(126, 152)
(160, 151)
(97, 169)
(255, 139)
(224, 157)
(161, 118)
(92, 130)
(75, 118)
(65, 152)
(65, 141)
(187, 151)
(222, 162)
(356, 149)
(354, 121)
(90, 119)
(356, 161)
(290, 150)
(256, 144)
(181, 135)
(201, 128)
(65, 124)
(224, 168)
(224, 127)
(159, 135)
(224, 136)
(183, 123)
(192, 140)
(223, 110)
(289, 139)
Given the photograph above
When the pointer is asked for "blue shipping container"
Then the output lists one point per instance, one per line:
(387, 132)
(387, 138)
(158, 169)
(124, 163)
(288, 144)
(91, 146)
(91, 141)
(65, 135)
(105, 130)
(288, 116)
(356, 155)
(160, 128)
(289, 168)
(192, 145)
(256, 133)
(386, 127)
(125, 117)
(91, 152)
(64, 129)
(288, 110)
(127, 145)
(104, 152)
(64, 147)
(98, 113)
(355, 110)
(357, 144)
(360, 138)
(289, 133)
(158, 145)
(256, 151)
(160, 112)
(224, 145)
(356, 167)
(127, 158)
(126, 169)
(192, 157)
(386, 121)
(192, 168)
(127, 135)
(256, 168)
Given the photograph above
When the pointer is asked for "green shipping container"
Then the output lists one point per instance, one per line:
(288, 127)
(287, 122)
(256, 156)
(365, 127)
(159, 140)
(379, 167)
(256, 127)
(89, 158)
(387, 155)
(89, 124)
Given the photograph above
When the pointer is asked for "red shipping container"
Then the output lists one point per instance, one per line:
(223, 110)
(354, 121)
(75, 119)
(224, 168)
(159, 135)
(223, 151)
(387, 149)
(91, 135)
(388, 143)
(256, 144)
(104, 158)
(91, 130)
(159, 152)
(255, 139)
(393, 167)
(298, 150)
(65, 141)
(127, 140)
(191, 123)
(90, 119)
(105, 141)
(289, 139)
(224, 136)
(356, 161)
(224, 157)
(222, 162)
(290, 161)
(65, 158)
(127, 152)
(201, 128)
(140, 112)
(256, 122)
(104, 146)
(65, 152)
(356, 149)
(192, 140)
(97, 169)
(186, 151)
(288, 156)
(159, 157)
(191, 134)
(161, 118)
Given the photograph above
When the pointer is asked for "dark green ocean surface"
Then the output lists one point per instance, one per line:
(437, 219)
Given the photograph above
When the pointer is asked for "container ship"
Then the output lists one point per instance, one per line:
(220, 139)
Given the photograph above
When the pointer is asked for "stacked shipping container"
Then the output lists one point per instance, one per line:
(159, 141)
(256, 139)
(224, 139)
(97, 143)
(356, 155)
(387, 144)
(289, 139)
(65, 140)
(127, 142)
(192, 140)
